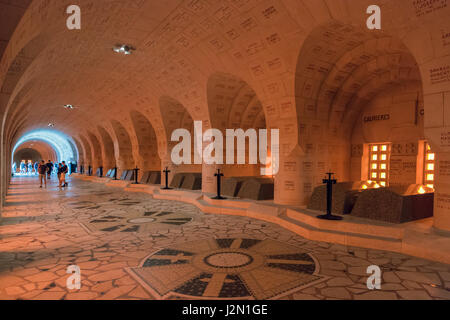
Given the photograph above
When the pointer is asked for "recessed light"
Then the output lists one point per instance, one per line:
(51, 125)
(69, 106)
(124, 49)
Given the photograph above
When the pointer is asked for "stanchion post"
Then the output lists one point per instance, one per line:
(329, 182)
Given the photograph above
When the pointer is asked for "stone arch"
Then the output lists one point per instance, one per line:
(147, 143)
(123, 147)
(233, 104)
(97, 159)
(81, 153)
(340, 69)
(107, 147)
(175, 116)
(87, 150)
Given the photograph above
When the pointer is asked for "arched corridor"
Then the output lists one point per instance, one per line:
(213, 145)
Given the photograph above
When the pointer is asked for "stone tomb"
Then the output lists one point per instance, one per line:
(344, 197)
(257, 189)
(232, 185)
(127, 175)
(395, 204)
(187, 180)
(99, 172)
(111, 173)
(177, 180)
(192, 181)
(151, 177)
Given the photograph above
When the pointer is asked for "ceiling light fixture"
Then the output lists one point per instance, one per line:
(51, 125)
(124, 49)
(69, 106)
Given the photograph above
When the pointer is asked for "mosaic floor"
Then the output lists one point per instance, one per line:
(130, 246)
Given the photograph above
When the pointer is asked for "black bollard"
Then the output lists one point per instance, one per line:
(136, 171)
(82, 169)
(101, 172)
(166, 172)
(329, 215)
(89, 171)
(219, 176)
(115, 173)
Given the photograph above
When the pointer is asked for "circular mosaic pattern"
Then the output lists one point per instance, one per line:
(227, 268)
(228, 260)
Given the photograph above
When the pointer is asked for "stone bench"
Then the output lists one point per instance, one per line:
(151, 177)
(397, 204)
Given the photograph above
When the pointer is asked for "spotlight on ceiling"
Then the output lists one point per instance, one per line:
(69, 107)
(51, 125)
(124, 49)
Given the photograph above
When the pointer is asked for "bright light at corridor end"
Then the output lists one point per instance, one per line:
(57, 140)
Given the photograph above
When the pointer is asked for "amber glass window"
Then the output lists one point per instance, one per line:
(429, 166)
(379, 164)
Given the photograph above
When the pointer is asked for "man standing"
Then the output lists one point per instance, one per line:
(50, 168)
(42, 171)
(64, 170)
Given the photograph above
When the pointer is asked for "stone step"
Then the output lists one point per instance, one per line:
(348, 225)
(345, 238)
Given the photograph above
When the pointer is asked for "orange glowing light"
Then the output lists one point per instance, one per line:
(421, 190)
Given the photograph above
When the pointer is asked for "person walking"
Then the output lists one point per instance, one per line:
(42, 173)
(50, 169)
(58, 170)
(64, 171)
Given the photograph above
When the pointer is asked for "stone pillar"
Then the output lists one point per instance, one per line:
(209, 181)
(289, 187)
(442, 193)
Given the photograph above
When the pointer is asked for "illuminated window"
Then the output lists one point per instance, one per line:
(429, 167)
(379, 160)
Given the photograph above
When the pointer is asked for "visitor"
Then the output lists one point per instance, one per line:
(42, 173)
(36, 167)
(64, 171)
(58, 172)
(50, 169)
(30, 168)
